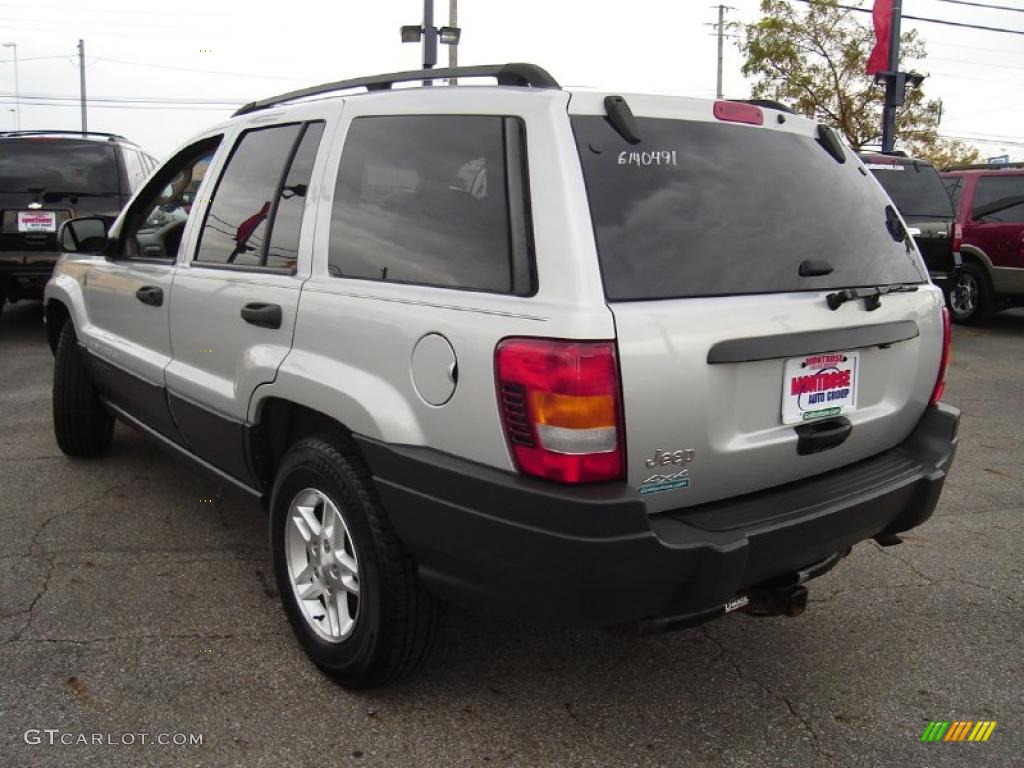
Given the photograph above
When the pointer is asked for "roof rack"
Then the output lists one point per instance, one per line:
(110, 136)
(985, 167)
(516, 74)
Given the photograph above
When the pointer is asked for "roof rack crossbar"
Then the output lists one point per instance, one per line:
(515, 74)
(985, 167)
(11, 134)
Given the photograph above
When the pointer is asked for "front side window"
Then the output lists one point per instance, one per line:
(433, 200)
(156, 226)
(136, 170)
(999, 199)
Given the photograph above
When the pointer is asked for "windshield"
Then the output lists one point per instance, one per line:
(58, 165)
(917, 190)
(710, 209)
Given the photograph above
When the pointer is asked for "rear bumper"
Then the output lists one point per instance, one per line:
(592, 556)
(24, 275)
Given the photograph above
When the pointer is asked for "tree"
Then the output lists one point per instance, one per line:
(813, 60)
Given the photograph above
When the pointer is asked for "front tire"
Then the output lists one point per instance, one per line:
(349, 588)
(971, 298)
(83, 427)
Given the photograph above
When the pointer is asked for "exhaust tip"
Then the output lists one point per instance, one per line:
(796, 601)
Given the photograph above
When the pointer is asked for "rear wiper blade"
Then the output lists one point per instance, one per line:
(872, 296)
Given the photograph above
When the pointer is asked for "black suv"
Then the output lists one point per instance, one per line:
(918, 192)
(48, 177)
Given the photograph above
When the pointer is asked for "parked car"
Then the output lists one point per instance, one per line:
(989, 202)
(48, 177)
(592, 359)
(920, 196)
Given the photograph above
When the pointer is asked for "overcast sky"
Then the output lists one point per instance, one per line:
(160, 65)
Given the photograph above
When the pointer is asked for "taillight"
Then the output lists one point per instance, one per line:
(940, 382)
(958, 237)
(561, 408)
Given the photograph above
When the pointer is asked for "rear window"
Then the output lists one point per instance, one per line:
(708, 209)
(58, 166)
(916, 189)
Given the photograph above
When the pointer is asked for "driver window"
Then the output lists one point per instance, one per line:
(158, 225)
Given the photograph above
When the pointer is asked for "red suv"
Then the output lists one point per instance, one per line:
(989, 203)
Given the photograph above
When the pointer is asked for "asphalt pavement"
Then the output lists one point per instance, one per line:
(137, 604)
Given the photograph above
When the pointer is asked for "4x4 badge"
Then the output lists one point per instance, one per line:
(667, 458)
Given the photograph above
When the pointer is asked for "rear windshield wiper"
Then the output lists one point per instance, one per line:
(872, 296)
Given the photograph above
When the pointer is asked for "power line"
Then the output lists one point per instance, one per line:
(125, 106)
(976, 63)
(934, 21)
(36, 58)
(983, 5)
(200, 71)
(134, 99)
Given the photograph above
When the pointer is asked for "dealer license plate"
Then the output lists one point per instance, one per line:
(37, 221)
(819, 386)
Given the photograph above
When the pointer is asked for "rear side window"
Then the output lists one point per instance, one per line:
(434, 200)
(999, 199)
(235, 230)
(709, 209)
(955, 189)
(58, 166)
(283, 250)
(916, 189)
(136, 170)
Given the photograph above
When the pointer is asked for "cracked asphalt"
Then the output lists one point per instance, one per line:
(136, 597)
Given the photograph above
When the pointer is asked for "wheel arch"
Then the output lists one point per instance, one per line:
(279, 423)
(974, 254)
(55, 314)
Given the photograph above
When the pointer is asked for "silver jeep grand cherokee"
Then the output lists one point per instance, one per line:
(587, 358)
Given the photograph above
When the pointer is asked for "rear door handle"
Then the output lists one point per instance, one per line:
(263, 315)
(150, 294)
(821, 435)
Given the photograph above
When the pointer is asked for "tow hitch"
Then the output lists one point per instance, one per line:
(786, 596)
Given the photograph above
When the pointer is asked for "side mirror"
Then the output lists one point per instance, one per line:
(84, 235)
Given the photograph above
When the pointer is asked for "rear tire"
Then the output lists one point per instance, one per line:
(83, 427)
(971, 299)
(387, 623)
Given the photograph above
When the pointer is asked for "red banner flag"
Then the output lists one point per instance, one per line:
(878, 61)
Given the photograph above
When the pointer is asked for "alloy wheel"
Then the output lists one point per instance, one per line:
(322, 565)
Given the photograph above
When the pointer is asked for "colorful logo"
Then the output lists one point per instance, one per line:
(958, 730)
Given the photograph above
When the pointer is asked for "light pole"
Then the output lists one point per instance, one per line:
(430, 35)
(17, 90)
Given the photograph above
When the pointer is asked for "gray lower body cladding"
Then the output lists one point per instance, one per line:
(592, 556)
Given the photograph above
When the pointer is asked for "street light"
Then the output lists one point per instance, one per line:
(17, 92)
(430, 35)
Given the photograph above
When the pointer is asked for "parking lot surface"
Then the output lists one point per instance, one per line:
(136, 598)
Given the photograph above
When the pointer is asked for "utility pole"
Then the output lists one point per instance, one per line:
(81, 78)
(17, 88)
(721, 39)
(720, 32)
(895, 87)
